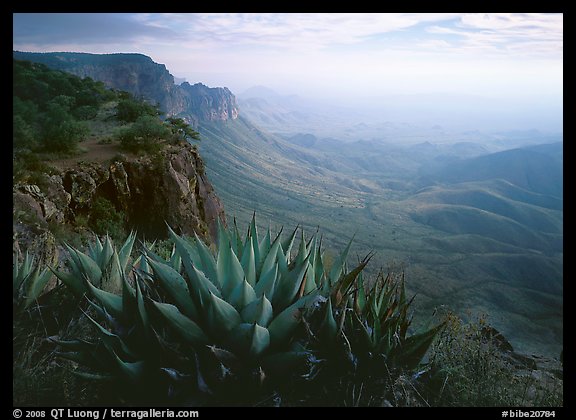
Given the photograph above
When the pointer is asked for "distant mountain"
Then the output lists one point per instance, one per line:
(261, 92)
(534, 169)
(141, 76)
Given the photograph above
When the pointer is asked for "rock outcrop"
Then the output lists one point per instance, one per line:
(151, 191)
(141, 76)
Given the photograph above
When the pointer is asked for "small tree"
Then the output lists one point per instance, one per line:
(146, 134)
(130, 110)
(62, 132)
(181, 131)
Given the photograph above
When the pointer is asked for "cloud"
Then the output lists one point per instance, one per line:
(293, 31)
(44, 29)
(301, 33)
(530, 35)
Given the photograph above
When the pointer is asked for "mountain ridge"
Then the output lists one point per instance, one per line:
(141, 76)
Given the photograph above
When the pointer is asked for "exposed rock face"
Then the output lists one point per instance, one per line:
(151, 190)
(209, 104)
(141, 76)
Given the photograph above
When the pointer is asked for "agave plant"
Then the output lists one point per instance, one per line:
(28, 281)
(362, 336)
(202, 318)
(381, 319)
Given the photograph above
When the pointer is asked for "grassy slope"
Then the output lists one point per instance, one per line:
(490, 272)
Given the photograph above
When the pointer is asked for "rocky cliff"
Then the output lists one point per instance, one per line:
(141, 76)
(150, 191)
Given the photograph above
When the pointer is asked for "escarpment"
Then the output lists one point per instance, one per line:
(152, 191)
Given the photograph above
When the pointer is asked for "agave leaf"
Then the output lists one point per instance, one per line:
(287, 244)
(200, 286)
(74, 262)
(112, 282)
(142, 313)
(111, 302)
(176, 287)
(175, 260)
(288, 286)
(229, 270)
(76, 283)
(35, 284)
(104, 257)
(133, 371)
(236, 241)
(248, 264)
(259, 311)
(143, 266)
(364, 338)
(302, 250)
(72, 345)
(310, 282)
(110, 340)
(253, 235)
(267, 283)
(184, 326)
(283, 260)
(128, 292)
(319, 265)
(329, 328)
(95, 248)
(96, 377)
(187, 251)
(338, 265)
(208, 262)
(16, 277)
(263, 249)
(283, 325)
(126, 250)
(242, 295)
(27, 265)
(271, 258)
(345, 283)
(411, 352)
(89, 267)
(224, 239)
(225, 357)
(222, 317)
(360, 296)
(249, 339)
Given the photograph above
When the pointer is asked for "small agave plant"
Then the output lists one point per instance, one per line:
(28, 281)
(202, 320)
(364, 335)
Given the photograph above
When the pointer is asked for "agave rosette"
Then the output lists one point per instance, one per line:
(239, 306)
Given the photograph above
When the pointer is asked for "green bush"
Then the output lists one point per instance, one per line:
(181, 131)
(130, 110)
(146, 134)
(105, 219)
(470, 369)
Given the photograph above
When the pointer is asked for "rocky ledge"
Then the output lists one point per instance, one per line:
(154, 190)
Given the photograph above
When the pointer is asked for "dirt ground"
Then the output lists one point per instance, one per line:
(94, 152)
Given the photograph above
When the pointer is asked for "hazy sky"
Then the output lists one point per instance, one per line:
(329, 55)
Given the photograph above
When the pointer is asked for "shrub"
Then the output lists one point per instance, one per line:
(469, 368)
(105, 219)
(146, 134)
(130, 110)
